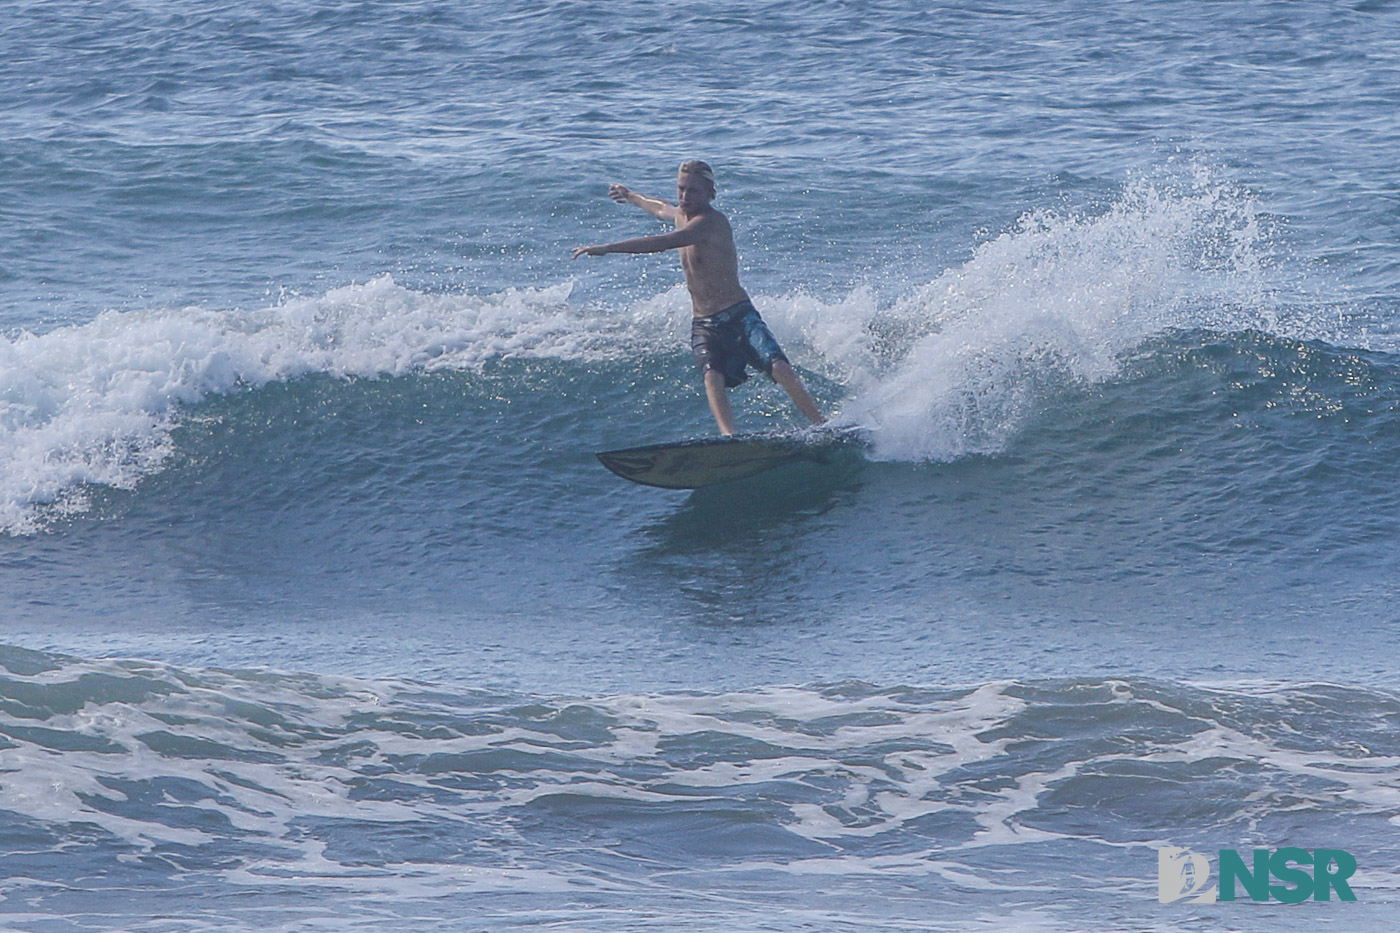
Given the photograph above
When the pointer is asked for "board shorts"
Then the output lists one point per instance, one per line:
(733, 339)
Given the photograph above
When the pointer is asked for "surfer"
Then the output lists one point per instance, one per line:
(726, 333)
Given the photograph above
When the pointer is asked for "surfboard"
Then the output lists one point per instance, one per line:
(709, 460)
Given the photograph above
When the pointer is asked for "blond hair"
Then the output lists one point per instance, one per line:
(699, 169)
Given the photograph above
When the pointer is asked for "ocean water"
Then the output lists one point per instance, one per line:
(318, 614)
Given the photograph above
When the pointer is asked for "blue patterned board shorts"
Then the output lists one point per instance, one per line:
(732, 339)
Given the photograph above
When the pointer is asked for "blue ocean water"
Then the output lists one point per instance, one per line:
(317, 612)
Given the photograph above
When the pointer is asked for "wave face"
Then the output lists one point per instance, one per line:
(96, 403)
(955, 367)
(167, 791)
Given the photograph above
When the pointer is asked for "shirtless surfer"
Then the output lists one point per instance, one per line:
(726, 332)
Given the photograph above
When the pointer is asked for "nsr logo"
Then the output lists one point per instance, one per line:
(1182, 875)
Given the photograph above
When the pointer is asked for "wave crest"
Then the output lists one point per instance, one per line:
(957, 366)
(95, 403)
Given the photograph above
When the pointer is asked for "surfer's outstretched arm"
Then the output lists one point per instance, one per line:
(661, 210)
(642, 244)
(693, 232)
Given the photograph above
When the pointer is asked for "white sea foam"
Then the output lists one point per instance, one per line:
(321, 792)
(301, 765)
(957, 366)
(95, 403)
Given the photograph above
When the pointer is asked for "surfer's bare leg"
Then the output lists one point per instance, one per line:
(785, 376)
(719, 401)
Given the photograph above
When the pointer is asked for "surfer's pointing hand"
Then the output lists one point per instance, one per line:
(589, 251)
